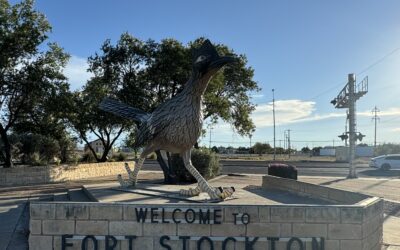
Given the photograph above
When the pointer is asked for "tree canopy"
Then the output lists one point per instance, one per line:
(29, 77)
(144, 74)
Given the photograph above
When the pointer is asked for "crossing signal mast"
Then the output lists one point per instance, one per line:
(347, 98)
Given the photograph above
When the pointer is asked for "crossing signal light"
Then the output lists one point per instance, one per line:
(343, 137)
(360, 136)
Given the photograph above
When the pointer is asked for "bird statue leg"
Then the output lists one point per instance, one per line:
(132, 176)
(214, 193)
(191, 191)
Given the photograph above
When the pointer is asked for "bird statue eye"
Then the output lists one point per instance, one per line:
(200, 58)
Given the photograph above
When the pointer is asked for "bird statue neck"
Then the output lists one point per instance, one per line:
(197, 85)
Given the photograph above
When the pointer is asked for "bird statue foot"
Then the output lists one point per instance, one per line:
(225, 192)
(190, 192)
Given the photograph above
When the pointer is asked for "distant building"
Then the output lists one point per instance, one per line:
(327, 151)
(97, 146)
(364, 151)
(342, 153)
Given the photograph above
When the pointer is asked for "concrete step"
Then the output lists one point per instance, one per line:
(78, 195)
(61, 197)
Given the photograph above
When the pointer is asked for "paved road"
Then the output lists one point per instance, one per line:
(305, 168)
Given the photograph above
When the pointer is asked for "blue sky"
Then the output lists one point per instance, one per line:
(304, 49)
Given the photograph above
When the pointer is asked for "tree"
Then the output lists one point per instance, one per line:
(215, 149)
(86, 118)
(46, 119)
(316, 150)
(130, 140)
(115, 68)
(280, 150)
(261, 148)
(26, 74)
(387, 148)
(145, 74)
(305, 150)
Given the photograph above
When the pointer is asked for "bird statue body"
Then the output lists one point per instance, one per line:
(176, 124)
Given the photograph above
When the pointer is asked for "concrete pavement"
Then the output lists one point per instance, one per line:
(13, 202)
(391, 232)
(387, 188)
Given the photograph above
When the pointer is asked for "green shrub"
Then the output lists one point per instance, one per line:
(119, 157)
(88, 157)
(36, 160)
(73, 158)
(206, 162)
(35, 149)
(57, 161)
(49, 148)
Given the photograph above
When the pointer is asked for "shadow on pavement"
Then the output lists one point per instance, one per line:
(331, 182)
(15, 228)
(380, 173)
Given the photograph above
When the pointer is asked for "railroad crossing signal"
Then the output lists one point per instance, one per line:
(347, 98)
(343, 98)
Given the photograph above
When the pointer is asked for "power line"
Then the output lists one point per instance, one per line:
(359, 73)
(394, 118)
(378, 61)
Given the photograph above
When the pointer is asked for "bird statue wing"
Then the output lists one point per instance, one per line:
(123, 110)
(157, 122)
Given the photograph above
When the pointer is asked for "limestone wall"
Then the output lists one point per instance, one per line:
(330, 227)
(47, 174)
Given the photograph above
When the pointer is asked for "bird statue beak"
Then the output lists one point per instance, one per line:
(221, 61)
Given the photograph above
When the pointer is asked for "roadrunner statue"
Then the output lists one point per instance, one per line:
(176, 124)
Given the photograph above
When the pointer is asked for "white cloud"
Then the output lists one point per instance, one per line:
(286, 111)
(388, 112)
(297, 111)
(76, 71)
(257, 96)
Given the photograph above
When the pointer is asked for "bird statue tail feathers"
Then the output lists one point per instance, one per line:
(120, 109)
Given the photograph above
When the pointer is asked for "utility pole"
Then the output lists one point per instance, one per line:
(273, 114)
(284, 139)
(352, 125)
(250, 141)
(347, 98)
(209, 145)
(288, 142)
(375, 112)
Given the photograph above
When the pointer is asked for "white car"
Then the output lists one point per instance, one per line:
(386, 162)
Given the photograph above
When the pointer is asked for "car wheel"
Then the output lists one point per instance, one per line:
(385, 167)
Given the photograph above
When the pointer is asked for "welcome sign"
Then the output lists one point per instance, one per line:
(195, 217)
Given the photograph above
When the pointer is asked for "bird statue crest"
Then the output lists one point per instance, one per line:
(176, 124)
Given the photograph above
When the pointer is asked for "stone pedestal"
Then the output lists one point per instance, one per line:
(271, 213)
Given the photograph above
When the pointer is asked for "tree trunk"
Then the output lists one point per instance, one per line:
(7, 150)
(169, 177)
(105, 154)
(89, 146)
